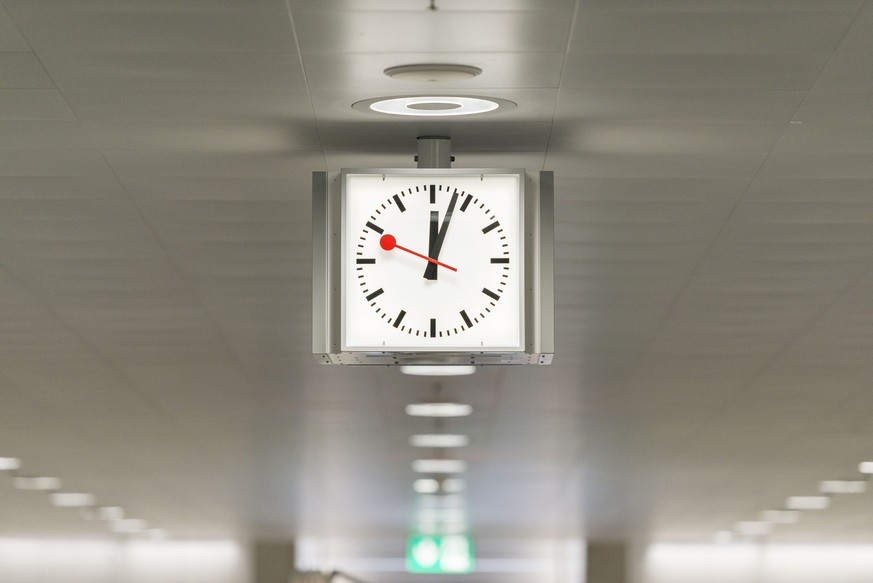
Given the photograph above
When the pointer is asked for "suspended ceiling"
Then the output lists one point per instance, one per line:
(714, 292)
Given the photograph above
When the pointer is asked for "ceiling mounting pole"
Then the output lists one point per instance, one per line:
(434, 152)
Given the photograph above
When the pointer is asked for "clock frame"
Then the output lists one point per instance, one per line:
(433, 266)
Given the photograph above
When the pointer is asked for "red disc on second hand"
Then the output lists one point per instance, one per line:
(388, 242)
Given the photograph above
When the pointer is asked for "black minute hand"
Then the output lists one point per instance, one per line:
(436, 239)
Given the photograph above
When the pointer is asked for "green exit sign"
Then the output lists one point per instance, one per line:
(439, 553)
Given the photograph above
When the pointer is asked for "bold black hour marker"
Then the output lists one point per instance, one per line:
(487, 292)
(368, 261)
(376, 228)
(375, 294)
(399, 204)
(466, 202)
(500, 260)
(399, 318)
(433, 194)
(490, 227)
(433, 327)
(466, 319)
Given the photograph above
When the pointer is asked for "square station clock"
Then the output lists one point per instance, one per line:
(436, 266)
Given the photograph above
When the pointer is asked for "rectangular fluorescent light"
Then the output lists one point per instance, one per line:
(36, 483)
(72, 499)
(843, 487)
(438, 410)
(110, 513)
(453, 485)
(807, 502)
(9, 463)
(426, 486)
(754, 528)
(128, 525)
(865, 467)
(439, 466)
(157, 533)
(439, 440)
(781, 516)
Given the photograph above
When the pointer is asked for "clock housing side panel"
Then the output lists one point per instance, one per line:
(325, 269)
(540, 263)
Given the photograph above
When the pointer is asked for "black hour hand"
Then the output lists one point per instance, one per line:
(437, 236)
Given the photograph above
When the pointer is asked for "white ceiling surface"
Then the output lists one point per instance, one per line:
(714, 185)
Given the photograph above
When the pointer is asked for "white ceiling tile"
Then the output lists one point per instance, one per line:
(846, 71)
(154, 27)
(60, 187)
(293, 187)
(678, 105)
(726, 5)
(821, 150)
(220, 136)
(229, 221)
(811, 189)
(86, 388)
(749, 71)
(60, 211)
(10, 37)
(808, 165)
(191, 105)
(571, 189)
(22, 70)
(245, 269)
(34, 104)
(49, 163)
(849, 138)
(628, 138)
(837, 107)
(431, 31)
(189, 164)
(162, 71)
(94, 229)
(656, 165)
(857, 39)
(36, 135)
(733, 33)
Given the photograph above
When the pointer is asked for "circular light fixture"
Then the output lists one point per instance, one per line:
(432, 105)
(433, 72)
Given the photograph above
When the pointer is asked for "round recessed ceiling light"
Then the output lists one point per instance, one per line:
(432, 105)
(433, 72)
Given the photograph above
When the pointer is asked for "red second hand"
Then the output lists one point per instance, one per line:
(389, 242)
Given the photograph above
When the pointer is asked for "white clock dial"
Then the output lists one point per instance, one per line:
(433, 262)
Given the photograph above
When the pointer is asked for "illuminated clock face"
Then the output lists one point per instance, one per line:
(432, 262)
